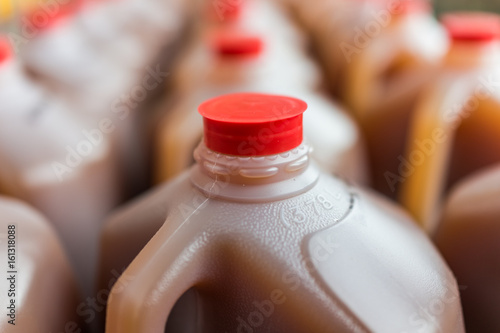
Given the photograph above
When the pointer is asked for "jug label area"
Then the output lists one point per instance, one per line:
(313, 207)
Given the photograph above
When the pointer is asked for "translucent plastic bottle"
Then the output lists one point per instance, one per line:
(49, 160)
(468, 240)
(270, 243)
(259, 15)
(140, 39)
(335, 25)
(283, 50)
(455, 126)
(100, 51)
(385, 77)
(235, 62)
(39, 292)
(103, 59)
(64, 58)
(133, 32)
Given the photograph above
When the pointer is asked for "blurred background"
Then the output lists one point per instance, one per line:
(98, 98)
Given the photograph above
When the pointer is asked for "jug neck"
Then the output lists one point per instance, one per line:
(471, 54)
(234, 70)
(234, 54)
(254, 179)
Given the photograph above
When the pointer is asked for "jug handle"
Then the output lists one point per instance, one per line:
(421, 191)
(147, 291)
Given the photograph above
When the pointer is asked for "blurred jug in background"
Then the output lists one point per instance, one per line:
(469, 239)
(51, 162)
(333, 24)
(86, 46)
(39, 292)
(283, 42)
(454, 130)
(377, 56)
(268, 242)
(385, 77)
(110, 58)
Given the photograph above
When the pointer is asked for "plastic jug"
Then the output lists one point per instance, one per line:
(385, 78)
(283, 48)
(270, 243)
(468, 239)
(101, 62)
(253, 55)
(133, 32)
(335, 26)
(267, 18)
(141, 37)
(39, 290)
(255, 15)
(237, 62)
(69, 173)
(64, 60)
(102, 48)
(454, 130)
(63, 57)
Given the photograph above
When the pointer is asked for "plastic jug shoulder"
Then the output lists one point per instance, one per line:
(68, 174)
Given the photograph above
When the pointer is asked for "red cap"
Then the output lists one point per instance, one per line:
(44, 20)
(233, 43)
(250, 124)
(408, 7)
(472, 26)
(5, 50)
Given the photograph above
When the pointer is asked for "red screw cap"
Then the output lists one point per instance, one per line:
(408, 7)
(250, 124)
(236, 44)
(5, 50)
(472, 26)
(43, 20)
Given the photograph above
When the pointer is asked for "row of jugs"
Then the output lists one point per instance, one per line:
(70, 94)
(253, 222)
(206, 242)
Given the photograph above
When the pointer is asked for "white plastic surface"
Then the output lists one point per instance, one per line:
(50, 163)
(43, 291)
